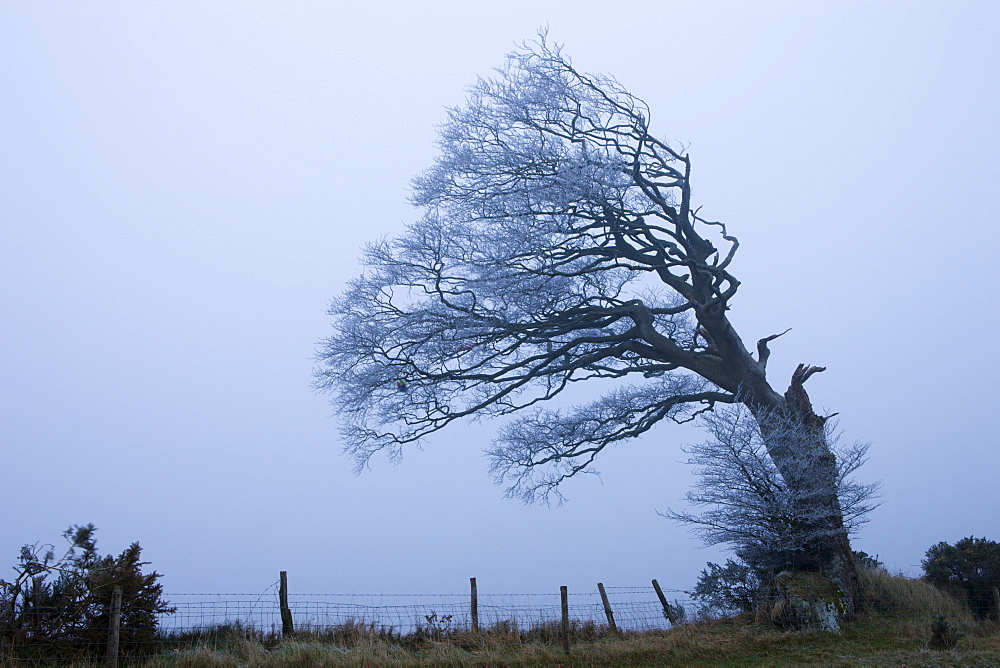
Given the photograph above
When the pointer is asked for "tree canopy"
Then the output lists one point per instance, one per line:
(558, 244)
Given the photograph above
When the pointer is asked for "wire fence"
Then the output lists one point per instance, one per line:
(268, 616)
(633, 609)
(227, 618)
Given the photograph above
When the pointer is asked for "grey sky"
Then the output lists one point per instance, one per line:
(184, 186)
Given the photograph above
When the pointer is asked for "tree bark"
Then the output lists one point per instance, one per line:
(746, 377)
(791, 430)
(831, 555)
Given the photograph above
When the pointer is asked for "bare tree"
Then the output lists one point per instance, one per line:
(770, 520)
(559, 244)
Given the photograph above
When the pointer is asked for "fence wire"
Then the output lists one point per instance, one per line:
(228, 618)
(634, 609)
(396, 618)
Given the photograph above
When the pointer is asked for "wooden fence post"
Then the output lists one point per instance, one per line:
(607, 608)
(287, 628)
(996, 602)
(114, 626)
(474, 606)
(668, 612)
(564, 596)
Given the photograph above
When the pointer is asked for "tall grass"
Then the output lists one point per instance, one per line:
(900, 596)
(894, 631)
(914, 604)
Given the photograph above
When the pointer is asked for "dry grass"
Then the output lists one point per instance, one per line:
(900, 596)
(894, 632)
(729, 643)
(874, 641)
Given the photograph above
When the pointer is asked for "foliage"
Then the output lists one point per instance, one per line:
(738, 587)
(867, 561)
(970, 566)
(62, 605)
(764, 514)
(734, 587)
(676, 613)
(943, 634)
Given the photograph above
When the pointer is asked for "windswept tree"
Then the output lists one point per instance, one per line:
(559, 243)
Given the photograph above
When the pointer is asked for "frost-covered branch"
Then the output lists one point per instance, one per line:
(540, 450)
(557, 245)
(769, 517)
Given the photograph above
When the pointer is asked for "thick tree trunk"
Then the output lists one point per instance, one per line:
(795, 439)
(839, 564)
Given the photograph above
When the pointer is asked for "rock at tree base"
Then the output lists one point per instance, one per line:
(806, 601)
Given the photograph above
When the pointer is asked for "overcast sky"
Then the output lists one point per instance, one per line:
(185, 186)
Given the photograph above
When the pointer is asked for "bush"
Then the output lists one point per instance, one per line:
(739, 587)
(770, 516)
(867, 561)
(943, 634)
(735, 587)
(62, 607)
(971, 568)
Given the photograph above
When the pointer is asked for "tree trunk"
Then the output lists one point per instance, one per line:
(796, 442)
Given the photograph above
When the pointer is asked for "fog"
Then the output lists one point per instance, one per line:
(185, 186)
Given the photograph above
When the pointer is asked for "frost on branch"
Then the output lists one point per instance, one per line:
(538, 451)
(772, 519)
(557, 245)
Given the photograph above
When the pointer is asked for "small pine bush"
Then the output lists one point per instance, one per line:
(61, 607)
(943, 634)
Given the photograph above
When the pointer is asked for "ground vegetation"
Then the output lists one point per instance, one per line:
(970, 567)
(59, 606)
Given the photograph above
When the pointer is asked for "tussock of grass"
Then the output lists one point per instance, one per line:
(202, 656)
(913, 605)
(900, 596)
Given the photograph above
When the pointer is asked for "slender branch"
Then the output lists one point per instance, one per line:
(762, 350)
